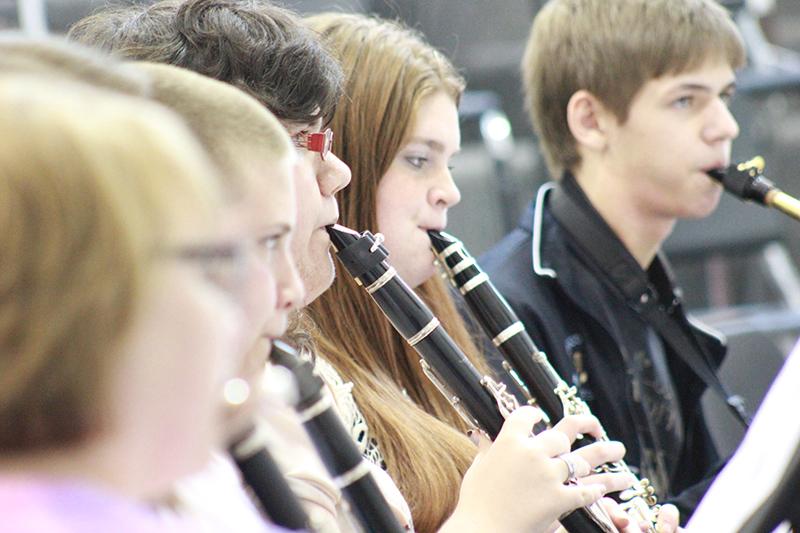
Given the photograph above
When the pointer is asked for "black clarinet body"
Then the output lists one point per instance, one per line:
(336, 448)
(262, 474)
(524, 361)
(480, 400)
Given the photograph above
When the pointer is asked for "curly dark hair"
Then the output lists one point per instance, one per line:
(261, 48)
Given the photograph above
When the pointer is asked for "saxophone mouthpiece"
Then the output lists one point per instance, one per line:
(440, 240)
(745, 180)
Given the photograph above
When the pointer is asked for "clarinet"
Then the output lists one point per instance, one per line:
(747, 182)
(480, 400)
(262, 475)
(525, 362)
(349, 470)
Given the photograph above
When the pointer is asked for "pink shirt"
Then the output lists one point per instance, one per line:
(43, 506)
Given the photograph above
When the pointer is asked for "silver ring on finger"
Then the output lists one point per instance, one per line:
(567, 460)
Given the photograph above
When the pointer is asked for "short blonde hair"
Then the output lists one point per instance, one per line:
(611, 48)
(234, 128)
(89, 180)
(69, 61)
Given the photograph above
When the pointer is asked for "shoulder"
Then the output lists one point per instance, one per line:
(511, 252)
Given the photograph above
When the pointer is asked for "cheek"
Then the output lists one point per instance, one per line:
(395, 214)
(307, 197)
(202, 357)
(260, 301)
(217, 340)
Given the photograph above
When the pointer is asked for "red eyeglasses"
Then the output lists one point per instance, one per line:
(321, 142)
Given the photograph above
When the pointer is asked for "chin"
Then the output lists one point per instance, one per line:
(415, 279)
(321, 282)
(703, 210)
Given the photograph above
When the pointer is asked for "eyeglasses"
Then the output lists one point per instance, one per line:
(228, 265)
(321, 142)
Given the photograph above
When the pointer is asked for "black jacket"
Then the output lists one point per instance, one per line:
(588, 332)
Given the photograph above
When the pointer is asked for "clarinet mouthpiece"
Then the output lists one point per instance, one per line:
(440, 240)
(341, 236)
(358, 252)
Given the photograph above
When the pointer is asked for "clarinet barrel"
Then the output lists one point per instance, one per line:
(524, 361)
(480, 400)
(339, 454)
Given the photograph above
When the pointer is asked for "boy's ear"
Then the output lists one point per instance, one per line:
(587, 120)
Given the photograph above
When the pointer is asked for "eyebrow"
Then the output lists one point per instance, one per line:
(434, 145)
(275, 229)
(703, 88)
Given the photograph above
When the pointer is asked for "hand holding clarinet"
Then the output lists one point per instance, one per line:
(517, 483)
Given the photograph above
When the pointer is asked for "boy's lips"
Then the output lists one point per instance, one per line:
(722, 164)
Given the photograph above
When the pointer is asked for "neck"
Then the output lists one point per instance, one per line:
(641, 232)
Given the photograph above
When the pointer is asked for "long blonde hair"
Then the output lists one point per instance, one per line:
(389, 70)
(88, 182)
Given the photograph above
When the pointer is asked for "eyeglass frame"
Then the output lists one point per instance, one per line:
(320, 141)
(237, 253)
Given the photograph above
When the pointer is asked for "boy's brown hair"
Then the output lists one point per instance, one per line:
(611, 48)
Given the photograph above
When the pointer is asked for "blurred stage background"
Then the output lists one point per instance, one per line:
(738, 268)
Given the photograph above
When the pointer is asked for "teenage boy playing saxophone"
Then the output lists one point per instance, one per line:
(629, 99)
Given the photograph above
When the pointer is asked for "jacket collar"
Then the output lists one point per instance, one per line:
(532, 221)
(552, 254)
(546, 251)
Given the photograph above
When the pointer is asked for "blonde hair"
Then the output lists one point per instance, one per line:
(611, 48)
(89, 180)
(389, 71)
(240, 135)
(69, 62)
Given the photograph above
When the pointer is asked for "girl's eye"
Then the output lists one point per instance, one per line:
(416, 162)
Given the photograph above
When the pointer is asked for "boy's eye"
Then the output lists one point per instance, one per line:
(683, 102)
(726, 97)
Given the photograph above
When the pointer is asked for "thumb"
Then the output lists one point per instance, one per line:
(519, 423)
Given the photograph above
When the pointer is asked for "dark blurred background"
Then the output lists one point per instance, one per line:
(738, 268)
